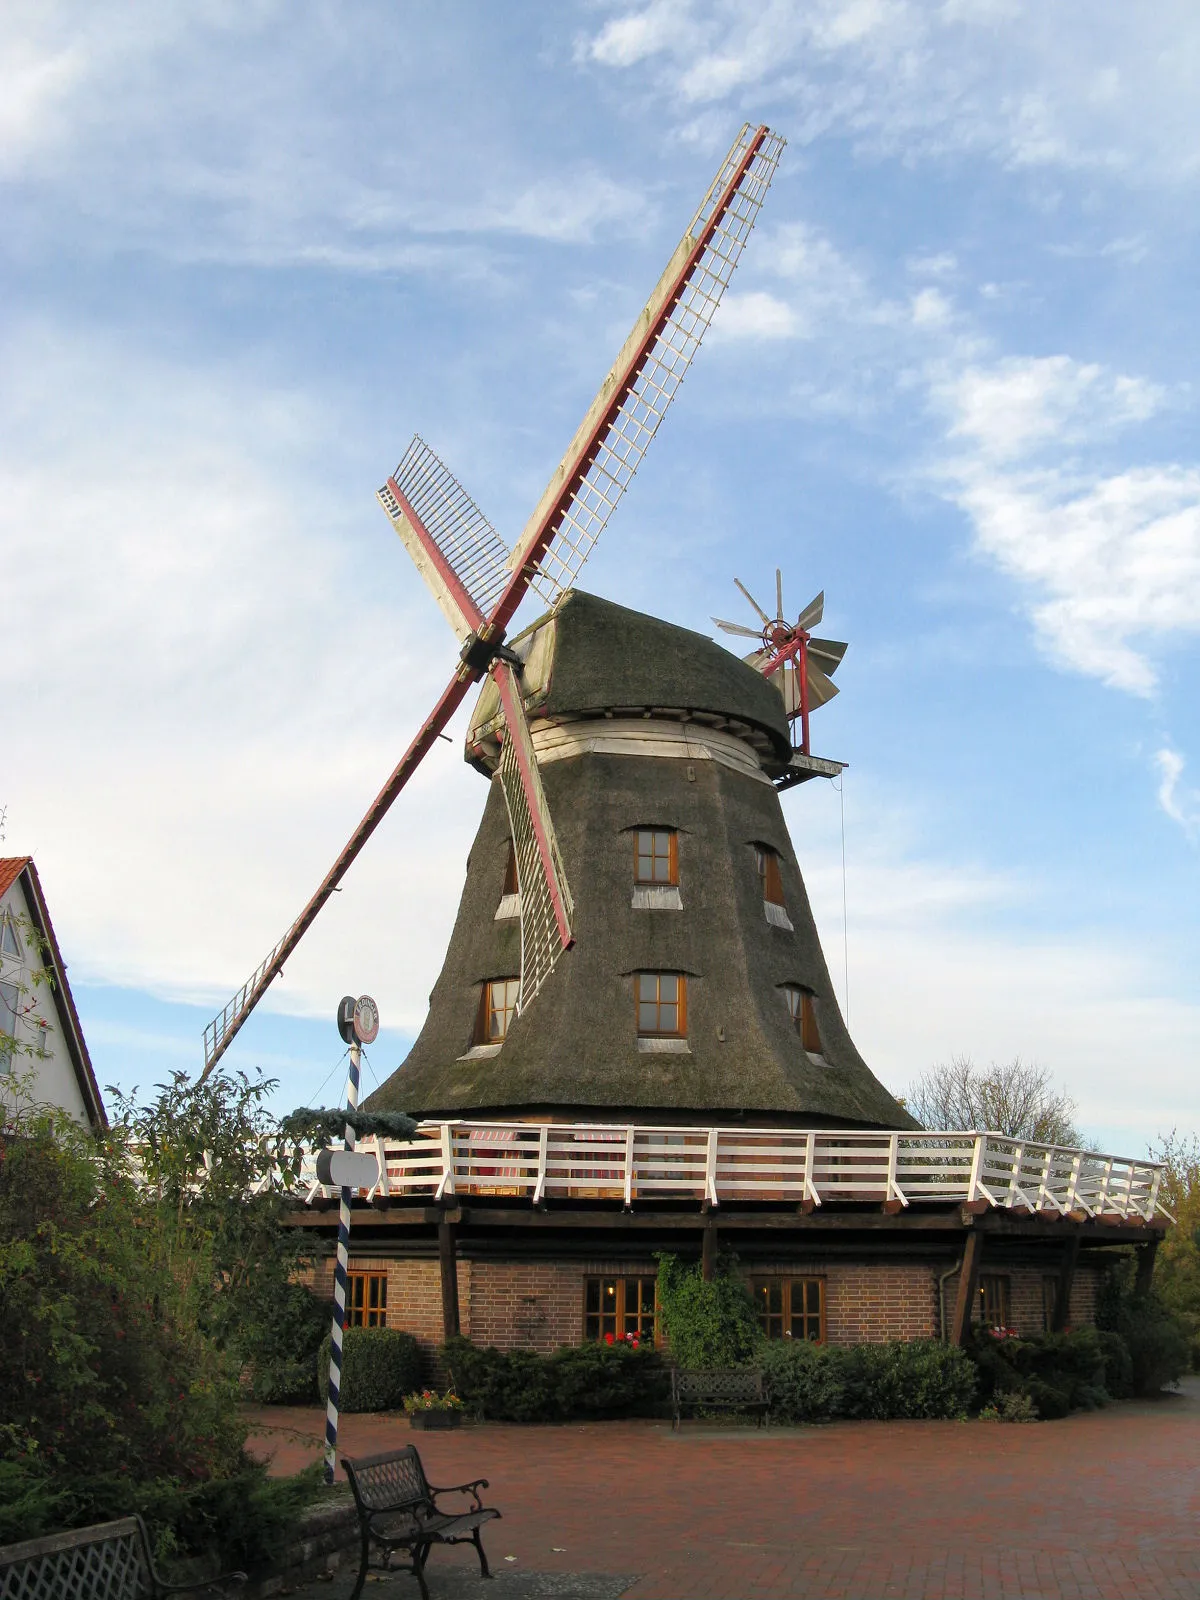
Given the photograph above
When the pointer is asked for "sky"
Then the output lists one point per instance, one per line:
(248, 249)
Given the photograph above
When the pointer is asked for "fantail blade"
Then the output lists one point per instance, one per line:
(766, 619)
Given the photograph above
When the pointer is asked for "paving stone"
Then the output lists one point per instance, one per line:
(1101, 1504)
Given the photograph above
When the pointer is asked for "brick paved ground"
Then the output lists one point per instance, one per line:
(1103, 1504)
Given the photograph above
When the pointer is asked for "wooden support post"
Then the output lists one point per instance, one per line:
(968, 1286)
(1145, 1269)
(448, 1261)
(1066, 1279)
(708, 1257)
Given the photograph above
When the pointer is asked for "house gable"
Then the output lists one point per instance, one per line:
(39, 1010)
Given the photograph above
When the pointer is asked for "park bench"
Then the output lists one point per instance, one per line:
(108, 1561)
(721, 1388)
(398, 1510)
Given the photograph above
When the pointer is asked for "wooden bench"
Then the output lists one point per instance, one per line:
(108, 1561)
(398, 1510)
(723, 1388)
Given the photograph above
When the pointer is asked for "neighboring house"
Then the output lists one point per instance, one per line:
(39, 1026)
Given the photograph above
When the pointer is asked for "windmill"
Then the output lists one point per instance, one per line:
(479, 583)
(802, 665)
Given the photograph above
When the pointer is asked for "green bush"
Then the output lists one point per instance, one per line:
(379, 1367)
(1060, 1372)
(1159, 1348)
(709, 1324)
(918, 1378)
(243, 1520)
(904, 1378)
(588, 1380)
(803, 1382)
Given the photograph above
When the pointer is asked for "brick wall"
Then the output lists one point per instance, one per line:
(1025, 1292)
(538, 1305)
(869, 1302)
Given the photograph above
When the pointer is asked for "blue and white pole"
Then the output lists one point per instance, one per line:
(340, 1285)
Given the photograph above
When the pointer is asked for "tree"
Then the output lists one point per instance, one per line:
(1018, 1099)
(1177, 1267)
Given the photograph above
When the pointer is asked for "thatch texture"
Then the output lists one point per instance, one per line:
(575, 1051)
(592, 658)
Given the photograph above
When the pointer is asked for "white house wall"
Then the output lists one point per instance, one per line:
(54, 1079)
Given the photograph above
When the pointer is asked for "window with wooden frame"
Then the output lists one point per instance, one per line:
(766, 861)
(661, 1005)
(366, 1299)
(804, 1016)
(619, 1310)
(656, 856)
(994, 1300)
(497, 1005)
(790, 1308)
(511, 886)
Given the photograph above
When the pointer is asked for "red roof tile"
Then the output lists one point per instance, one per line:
(11, 868)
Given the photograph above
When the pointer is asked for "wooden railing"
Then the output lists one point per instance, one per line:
(626, 1162)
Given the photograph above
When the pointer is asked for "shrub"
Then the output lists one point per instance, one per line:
(803, 1382)
(1059, 1372)
(709, 1324)
(1159, 1352)
(904, 1378)
(379, 1367)
(589, 1380)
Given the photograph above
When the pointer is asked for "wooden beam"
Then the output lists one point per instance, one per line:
(968, 1287)
(448, 1263)
(1145, 1269)
(708, 1255)
(1066, 1280)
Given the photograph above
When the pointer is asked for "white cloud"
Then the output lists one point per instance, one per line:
(948, 958)
(211, 665)
(756, 315)
(1023, 83)
(1111, 559)
(1181, 805)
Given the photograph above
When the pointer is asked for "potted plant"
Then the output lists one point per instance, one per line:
(432, 1410)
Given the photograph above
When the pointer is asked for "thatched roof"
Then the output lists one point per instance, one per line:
(575, 1051)
(591, 658)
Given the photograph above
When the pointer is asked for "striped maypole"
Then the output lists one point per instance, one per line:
(340, 1284)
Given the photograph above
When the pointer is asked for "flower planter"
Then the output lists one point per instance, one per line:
(435, 1419)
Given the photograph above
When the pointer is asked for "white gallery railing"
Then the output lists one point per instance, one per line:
(626, 1162)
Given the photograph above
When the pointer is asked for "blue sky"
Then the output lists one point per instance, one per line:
(249, 249)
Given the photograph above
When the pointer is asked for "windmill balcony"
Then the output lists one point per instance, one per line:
(717, 1167)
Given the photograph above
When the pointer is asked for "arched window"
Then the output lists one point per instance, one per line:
(510, 898)
(804, 1016)
(497, 1006)
(656, 857)
(661, 1005)
(769, 875)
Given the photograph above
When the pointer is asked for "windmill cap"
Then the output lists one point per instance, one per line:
(592, 658)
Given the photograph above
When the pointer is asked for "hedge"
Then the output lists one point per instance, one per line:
(379, 1367)
(915, 1378)
(1059, 1372)
(577, 1381)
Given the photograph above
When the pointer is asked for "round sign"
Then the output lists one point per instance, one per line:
(366, 1019)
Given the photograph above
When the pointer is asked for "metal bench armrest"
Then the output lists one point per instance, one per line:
(471, 1488)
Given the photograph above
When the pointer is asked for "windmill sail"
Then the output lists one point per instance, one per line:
(616, 431)
(479, 585)
(546, 905)
(453, 545)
